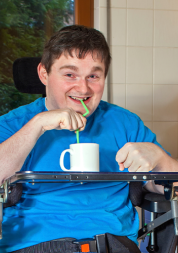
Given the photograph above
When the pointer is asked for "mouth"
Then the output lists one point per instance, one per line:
(77, 99)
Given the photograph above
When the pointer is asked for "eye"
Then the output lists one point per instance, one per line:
(94, 77)
(69, 75)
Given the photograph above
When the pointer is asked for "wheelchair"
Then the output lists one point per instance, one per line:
(163, 228)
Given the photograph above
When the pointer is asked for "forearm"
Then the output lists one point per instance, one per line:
(167, 164)
(15, 150)
(152, 187)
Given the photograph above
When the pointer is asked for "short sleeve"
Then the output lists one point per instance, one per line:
(8, 128)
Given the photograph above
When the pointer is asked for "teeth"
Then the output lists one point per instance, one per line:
(79, 98)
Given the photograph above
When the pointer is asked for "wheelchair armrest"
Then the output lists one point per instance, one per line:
(136, 193)
(9, 196)
(151, 202)
(14, 195)
(155, 203)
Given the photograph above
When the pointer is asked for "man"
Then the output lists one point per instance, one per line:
(74, 66)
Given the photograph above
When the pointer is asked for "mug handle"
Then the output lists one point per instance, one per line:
(61, 161)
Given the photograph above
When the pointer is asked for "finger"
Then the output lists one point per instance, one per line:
(146, 165)
(140, 165)
(122, 154)
(83, 122)
(78, 122)
(121, 166)
(128, 162)
(70, 120)
(142, 169)
(134, 165)
(66, 121)
(75, 121)
(134, 168)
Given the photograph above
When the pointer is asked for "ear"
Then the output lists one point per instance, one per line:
(42, 73)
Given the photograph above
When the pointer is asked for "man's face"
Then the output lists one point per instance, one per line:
(72, 79)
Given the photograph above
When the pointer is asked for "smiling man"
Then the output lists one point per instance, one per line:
(48, 217)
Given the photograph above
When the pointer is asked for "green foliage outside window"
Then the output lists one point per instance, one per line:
(25, 25)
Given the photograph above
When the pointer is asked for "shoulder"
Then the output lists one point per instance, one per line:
(25, 112)
(116, 112)
(124, 123)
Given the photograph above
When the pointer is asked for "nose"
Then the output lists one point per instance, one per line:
(83, 87)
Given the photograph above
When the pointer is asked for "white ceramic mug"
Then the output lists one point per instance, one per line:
(84, 157)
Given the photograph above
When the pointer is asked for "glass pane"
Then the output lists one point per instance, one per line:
(25, 25)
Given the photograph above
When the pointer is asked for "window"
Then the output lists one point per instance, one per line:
(25, 25)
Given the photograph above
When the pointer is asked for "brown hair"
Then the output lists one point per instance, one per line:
(79, 38)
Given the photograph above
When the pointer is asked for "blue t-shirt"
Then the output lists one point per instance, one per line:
(56, 210)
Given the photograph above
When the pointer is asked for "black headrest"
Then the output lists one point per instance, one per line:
(26, 77)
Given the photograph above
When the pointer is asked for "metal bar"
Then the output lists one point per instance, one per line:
(49, 177)
(174, 207)
(154, 224)
(152, 234)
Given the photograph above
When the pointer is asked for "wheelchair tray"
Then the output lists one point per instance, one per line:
(61, 177)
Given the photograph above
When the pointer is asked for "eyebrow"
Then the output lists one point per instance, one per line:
(97, 68)
(73, 67)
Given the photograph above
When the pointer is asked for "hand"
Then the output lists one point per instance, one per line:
(140, 157)
(61, 119)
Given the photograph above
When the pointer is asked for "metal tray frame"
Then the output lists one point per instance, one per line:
(61, 177)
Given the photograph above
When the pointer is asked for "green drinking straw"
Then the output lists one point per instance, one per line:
(87, 112)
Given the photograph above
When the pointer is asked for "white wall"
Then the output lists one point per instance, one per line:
(144, 70)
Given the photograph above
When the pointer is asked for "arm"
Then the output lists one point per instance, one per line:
(152, 187)
(168, 164)
(145, 157)
(14, 150)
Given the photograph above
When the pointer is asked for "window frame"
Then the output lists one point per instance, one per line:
(84, 12)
